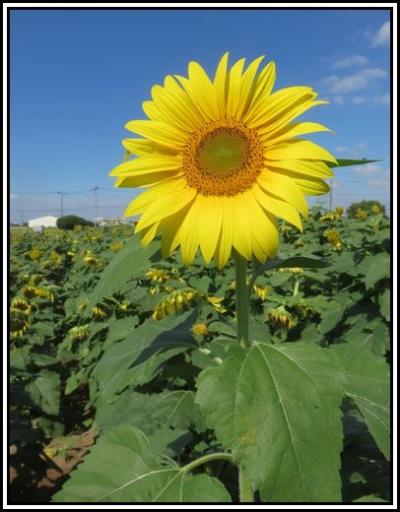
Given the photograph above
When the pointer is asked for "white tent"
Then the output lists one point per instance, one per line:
(42, 222)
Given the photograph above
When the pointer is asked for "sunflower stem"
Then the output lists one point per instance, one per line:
(242, 300)
(207, 458)
(245, 490)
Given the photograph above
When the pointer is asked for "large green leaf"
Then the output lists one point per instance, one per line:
(44, 391)
(137, 359)
(130, 262)
(122, 468)
(147, 412)
(384, 304)
(345, 162)
(367, 384)
(278, 409)
(373, 336)
(331, 317)
(364, 468)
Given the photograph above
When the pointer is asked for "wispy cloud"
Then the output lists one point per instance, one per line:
(385, 99)
(379, 183)
(350, 61)
(358, 100)
(356, 151)
(368, 169)
(362, 79)
(382, 36)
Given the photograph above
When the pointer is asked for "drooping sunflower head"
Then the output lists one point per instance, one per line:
(221, 160)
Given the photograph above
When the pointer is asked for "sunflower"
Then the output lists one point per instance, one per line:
(221, 160)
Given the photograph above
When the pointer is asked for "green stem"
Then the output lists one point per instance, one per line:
(245, 490)
(207, 458)
(296, 287)
(242, 300)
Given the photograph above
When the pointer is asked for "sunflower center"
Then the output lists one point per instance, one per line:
(223, 151)
(223, 158)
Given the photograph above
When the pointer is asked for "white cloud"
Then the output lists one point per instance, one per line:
(357, 151)
(382, 36)
(339, 100)
(385, 99)
(368, 169)
(350, 61)
(362, 79)
(357, 100)
(379, 183)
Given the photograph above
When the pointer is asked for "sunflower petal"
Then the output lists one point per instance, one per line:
(293, 130)
(277, 207)
(225, 242)
(241, 233)
(234, 86)
(284, 188)
(169, 228)
(263, 229)
(174, 106)
(149, 197)
(145, 178)
(221, 83)
(147, 163)
(312, 187)
(141, 147)
(148, 234)
(297, 149)
(166, 205)
(264, 85)
(209, 225)
(188, 233)
(311, 168)
(161, 133)
(276, 104)
(201, 90)
(248, 86)
(180, 99)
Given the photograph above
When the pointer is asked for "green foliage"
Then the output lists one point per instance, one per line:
(278, 410)
(70, 221)
(364, 205)
(367, 385)
(121, 468)
(89, 352)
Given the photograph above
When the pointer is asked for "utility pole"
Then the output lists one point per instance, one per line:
(62, 202)
(95, 189)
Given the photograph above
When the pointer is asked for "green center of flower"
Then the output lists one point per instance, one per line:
(223, 151)
(223, 158)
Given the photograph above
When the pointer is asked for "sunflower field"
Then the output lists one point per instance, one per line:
(128, 384)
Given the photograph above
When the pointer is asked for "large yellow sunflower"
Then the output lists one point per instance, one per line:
(221, 161)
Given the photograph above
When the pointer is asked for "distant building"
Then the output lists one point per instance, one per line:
(102, 221)
(49, 221)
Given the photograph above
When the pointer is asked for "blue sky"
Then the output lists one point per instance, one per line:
(77, 76)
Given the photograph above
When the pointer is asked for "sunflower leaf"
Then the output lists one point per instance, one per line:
(122, 468)
(296, 261)
(278, 409)
(367, 385)
(346, 162)
(129, 263)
